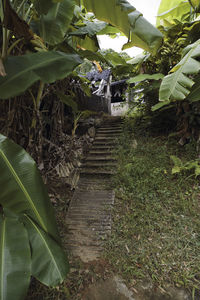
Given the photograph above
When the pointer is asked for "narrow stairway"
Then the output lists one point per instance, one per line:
(89, 214)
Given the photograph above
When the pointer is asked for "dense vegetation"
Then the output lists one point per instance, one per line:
(42, 44)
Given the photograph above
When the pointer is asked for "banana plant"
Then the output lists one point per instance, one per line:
(29, 239)
(54, 24)
(177, 85)
(129, 21)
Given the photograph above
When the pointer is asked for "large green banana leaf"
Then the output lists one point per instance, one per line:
(142, 77)
(15, 259)
(194, 94)
(90, 28)
(177, 85)
(42, 6)
(22, 189)
(88, 43)
(121, 14)
(49, 262)
(23, 71)
(173, 9)
(54, 25)
(195, 4)
(90, 55)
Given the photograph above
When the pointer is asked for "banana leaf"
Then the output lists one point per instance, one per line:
(23, 71)
(15, 259)
(142, 77)
(85, 43)
(115, 59)
(54, 25)
(90, 55)
(173, 9)
(69, 101)
(121, 14)
(194, 94)
(90, 28)
(177, 85)
(49, 262)
(22, 188)
(42, 6)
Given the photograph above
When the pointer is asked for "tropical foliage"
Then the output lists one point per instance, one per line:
(29, 240)
(42, 42)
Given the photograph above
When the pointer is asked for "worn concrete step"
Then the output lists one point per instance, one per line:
(110, 128)
(105, 142)
(98, 195)
(102, 147)
(89, 215)
(99, 164)
(100, 153)
(105, 134)
(101, 229)
(101, 157)
(105, 138)
(96, 171)
(91, 183)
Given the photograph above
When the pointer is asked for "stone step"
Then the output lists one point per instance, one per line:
(100, 153)
(96, 171)
(101, 157)
(99, 164)
(110, 128)
(105, 143)
(101, 229)
(89, 215)
(105, 138)
(108, 134)
(102, 147)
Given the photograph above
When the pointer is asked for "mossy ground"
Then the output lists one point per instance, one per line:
(156, 223)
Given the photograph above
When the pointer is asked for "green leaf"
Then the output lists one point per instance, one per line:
(142, 77)
(68, 100)
(15, 259)
(88, 43)
(139, 59)
(122, 15)
(22, 188)
(90, 28)
(176, 170)
(177, 161)
(42, 6)
(115, 59)
(195, 4)
(160, 105)
(109, 30)
(177, 85)
(90, 55)
(23, 71)
(49, 262)
(173, 9)
(197, 171)
(194, 95)
(54, 25)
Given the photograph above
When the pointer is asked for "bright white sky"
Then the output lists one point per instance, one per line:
(149, 10)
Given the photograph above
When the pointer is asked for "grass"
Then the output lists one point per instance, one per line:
(156, 223)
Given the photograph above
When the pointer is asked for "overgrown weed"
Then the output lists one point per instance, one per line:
(156, 226)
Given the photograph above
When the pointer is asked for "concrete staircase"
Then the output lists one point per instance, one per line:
(89, 215)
